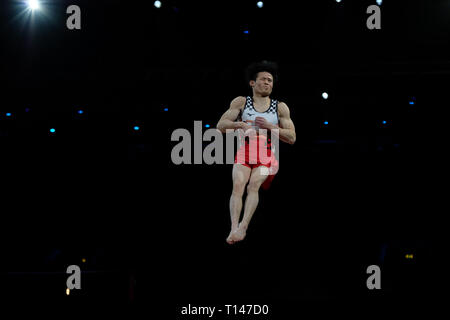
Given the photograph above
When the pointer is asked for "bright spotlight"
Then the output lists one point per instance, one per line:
(260, 4)
(325, 95)
(157, 4)
(33, 4)
(379, 2)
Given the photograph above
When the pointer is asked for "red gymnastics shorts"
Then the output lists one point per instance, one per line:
(249, 156)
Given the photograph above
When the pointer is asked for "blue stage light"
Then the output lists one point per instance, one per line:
(325, 123)
(80, 111)
(206, 125)
(8, 114)
(384, 122)
(246, 31)
(136, 128)
(52, 130)
(166, 109)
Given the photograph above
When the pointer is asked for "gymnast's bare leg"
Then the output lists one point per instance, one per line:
(242, 175)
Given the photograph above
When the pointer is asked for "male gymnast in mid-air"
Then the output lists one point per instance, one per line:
(254, 113)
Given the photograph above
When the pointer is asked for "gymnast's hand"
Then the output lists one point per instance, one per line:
(244, 126)
(262, 123)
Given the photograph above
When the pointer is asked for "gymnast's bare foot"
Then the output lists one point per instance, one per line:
(230, 238)
(237, 234)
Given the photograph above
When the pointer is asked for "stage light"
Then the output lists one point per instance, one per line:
(166, 109)
(325, 123)
(384, 122)
(325, 95)
(379, 2)
(338, 1)
(136, 128)
(260, 4)
(409, 256)
(246, 31)
(52, 130)
(67, 291)
(8, 114)
(206, 125)
(80, 111)
(33, 4)
(83, 260)
(157, 4)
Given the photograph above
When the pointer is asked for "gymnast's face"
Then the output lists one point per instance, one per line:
(263, 84)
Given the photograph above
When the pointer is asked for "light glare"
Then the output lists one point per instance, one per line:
(33, 4)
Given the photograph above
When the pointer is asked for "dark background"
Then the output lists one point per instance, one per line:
(349, 194)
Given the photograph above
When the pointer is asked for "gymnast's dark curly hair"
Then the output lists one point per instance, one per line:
(264, 66)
